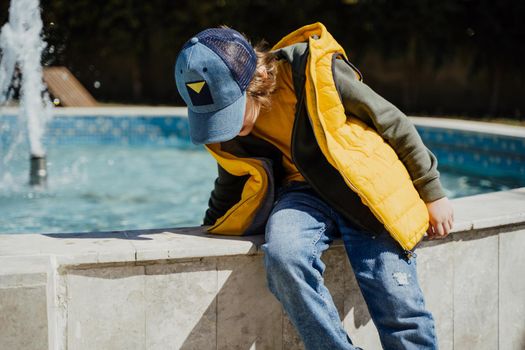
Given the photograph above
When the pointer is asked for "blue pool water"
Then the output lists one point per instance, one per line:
(119, 173)
(109, 187)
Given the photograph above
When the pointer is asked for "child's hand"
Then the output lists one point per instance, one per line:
(441, 218)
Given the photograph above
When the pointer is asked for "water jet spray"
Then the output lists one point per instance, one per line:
(21, 44)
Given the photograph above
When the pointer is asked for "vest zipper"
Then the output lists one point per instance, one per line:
(297, 112)
(294, 130)
(408, 253)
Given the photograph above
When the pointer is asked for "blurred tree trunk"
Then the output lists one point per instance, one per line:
(413, 68)
(496, 74)
(136, 79)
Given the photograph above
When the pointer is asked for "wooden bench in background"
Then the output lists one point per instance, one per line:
(63, 85)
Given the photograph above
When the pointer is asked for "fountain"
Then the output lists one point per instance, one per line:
(21, 45)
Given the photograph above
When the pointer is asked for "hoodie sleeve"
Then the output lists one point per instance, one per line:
(394, 126)
(226, 192)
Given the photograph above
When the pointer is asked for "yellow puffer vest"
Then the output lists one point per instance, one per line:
(368, 164)
(240, 216)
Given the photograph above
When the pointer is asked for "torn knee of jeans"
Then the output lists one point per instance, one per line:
(401, 278)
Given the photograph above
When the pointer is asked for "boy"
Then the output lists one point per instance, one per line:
(307, 153)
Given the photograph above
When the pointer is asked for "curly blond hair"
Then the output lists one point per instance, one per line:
(264, 79)
(263, 82)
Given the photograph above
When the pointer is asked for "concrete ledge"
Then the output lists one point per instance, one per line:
(489, 210)
(183, 288)
(110, 111)
(22, 271)
(470, 125)
(124, 246)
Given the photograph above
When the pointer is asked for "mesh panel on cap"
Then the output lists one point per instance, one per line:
(234, 50)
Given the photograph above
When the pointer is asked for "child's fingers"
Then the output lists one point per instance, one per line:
(430, 232)
(446, 227)
(439, 230)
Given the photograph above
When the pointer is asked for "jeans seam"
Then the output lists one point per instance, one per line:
(314, 242)
(336, 322)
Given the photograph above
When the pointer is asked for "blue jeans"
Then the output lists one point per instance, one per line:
(300, 227)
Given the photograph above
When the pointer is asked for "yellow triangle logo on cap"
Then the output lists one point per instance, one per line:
(197, 86)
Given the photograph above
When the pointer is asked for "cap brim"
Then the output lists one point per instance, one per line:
(219, 126)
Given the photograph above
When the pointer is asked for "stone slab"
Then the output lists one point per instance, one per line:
(334, 259)
(21, 244)
(512, 290)
(357, 321)
(291, 338)
(476, 291)
(248, 315)
(490, 209)
(23, 318)
(436, 275)
(181, 307)
(470, 125)
(126, 246)
(334, 280)
(191, 242)
(19, 271)
(71, 248)
(106, 308)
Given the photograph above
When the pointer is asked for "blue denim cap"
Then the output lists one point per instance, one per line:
(212, 73)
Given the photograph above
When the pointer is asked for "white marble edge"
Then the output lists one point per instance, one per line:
(471, 213)
(167, 111)
(116, 111)
(470, 125)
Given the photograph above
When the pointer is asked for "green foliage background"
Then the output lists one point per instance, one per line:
(448, 56)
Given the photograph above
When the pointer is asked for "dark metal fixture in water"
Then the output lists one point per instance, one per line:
(38, 173)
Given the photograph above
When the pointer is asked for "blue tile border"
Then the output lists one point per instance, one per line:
(475, 152)
(134, 130)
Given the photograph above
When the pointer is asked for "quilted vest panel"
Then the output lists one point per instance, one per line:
(368, 164)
